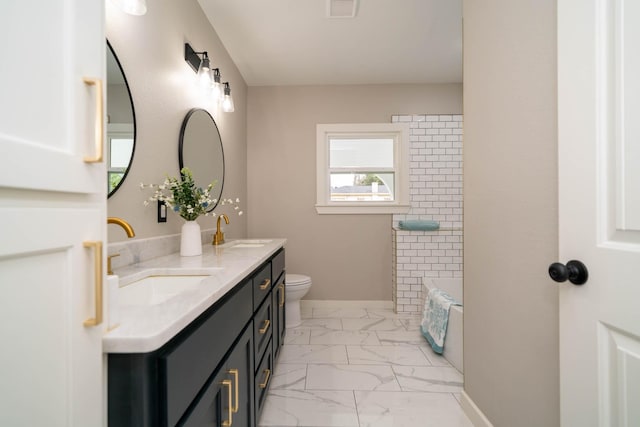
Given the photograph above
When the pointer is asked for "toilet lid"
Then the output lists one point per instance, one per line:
(296, 279)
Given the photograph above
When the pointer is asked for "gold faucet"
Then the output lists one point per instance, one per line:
(122, 223)
(218, 238)
(127, 228)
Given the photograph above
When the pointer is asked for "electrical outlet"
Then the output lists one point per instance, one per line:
(162, 211)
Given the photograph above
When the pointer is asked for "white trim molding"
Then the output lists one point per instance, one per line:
(471, 410)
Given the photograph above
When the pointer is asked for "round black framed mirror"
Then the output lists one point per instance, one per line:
(200, 150)
(121, 124)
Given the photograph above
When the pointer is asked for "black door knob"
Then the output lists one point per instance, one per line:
(575, 271)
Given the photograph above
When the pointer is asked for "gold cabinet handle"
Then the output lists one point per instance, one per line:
(97, 261)
(281, 295)
(99, 120)
(267, 374)
(264, 329)
(265, 284)
(229, 422)
(236, 374)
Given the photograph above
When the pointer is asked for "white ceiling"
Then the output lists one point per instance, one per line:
(292, 42)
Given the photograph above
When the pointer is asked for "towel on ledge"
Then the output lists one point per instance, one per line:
(419, 224)
(435, 318)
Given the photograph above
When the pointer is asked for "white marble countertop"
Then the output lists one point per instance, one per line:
(146, 328)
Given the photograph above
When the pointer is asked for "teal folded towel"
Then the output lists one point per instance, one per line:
(419, 224)
(435, 318)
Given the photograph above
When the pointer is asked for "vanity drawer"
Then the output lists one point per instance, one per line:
(262, 328)
(261, 285)
(192, 357)
(277, 265)
(263, 378)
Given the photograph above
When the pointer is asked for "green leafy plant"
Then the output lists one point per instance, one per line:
(185, 198)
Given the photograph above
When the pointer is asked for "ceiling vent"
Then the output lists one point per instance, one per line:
(342, 8)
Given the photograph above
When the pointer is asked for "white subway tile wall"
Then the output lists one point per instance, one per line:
(435, 185)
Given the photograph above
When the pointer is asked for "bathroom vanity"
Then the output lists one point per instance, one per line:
(203, 357)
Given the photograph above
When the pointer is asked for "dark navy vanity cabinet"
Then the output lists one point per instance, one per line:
(215, 372)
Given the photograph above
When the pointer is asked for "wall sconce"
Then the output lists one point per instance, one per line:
(132, 7)
(227, 101)
(209, 77)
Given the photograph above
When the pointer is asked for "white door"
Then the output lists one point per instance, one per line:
(599, 193)
(52, 212)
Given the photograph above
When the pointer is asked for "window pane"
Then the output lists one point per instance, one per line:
(369, 187)
(120, 153)
(369, 152)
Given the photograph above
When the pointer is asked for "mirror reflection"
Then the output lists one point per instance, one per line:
(121, 126)
(200, 150)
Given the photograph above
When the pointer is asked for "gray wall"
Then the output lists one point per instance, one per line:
(347, 256)
(151, 51)
(510, 219)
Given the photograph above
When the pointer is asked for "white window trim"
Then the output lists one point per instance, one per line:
(400, 133)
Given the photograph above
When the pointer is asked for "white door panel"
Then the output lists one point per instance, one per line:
(51, 202)
(48, 114)
(599, 190)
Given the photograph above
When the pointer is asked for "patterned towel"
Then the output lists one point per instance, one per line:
(435, 318)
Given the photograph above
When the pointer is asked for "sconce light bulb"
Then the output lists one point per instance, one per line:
(227, 104)
(204, 73)
(216, 86)
(227, 101)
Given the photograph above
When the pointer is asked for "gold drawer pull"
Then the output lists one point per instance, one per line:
(281, 295)
(229, 422)
(97, 261)
(265, 284)
(99, 120)
(234, 372)
(267, 374)
(264, 329)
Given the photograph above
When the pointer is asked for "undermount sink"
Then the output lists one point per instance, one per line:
(153, 290)
(249, 243)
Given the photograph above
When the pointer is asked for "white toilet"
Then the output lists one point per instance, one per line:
(297, 286)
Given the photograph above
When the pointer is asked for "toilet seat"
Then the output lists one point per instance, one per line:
(293, 280)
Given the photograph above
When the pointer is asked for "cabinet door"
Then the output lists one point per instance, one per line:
(215, 406)
(240, 370)
(228, 397)
(278, 316)
(51, 203)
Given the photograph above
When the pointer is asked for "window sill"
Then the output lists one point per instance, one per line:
(361, 209)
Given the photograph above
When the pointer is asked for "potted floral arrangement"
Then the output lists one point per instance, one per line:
(184, 197)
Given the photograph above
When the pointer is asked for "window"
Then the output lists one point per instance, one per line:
(362, 168)
(119, 152)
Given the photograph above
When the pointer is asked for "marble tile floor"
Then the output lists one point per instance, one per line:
(361, 367)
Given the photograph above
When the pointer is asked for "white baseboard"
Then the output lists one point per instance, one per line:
(471, 410)
(311, 303)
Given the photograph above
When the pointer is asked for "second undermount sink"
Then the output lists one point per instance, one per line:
(250, 243)
(153, 290)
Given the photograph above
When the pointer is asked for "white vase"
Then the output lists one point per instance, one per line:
(190, 239)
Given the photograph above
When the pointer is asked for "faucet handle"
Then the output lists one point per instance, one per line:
(109, 270)
(218, 238)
